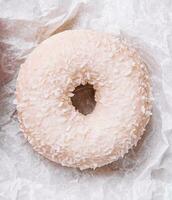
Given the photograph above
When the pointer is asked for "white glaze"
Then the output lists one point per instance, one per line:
(123, 94)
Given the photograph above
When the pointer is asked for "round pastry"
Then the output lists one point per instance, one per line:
(83, 98)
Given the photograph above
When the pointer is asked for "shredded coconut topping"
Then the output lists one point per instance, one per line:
(123, 98)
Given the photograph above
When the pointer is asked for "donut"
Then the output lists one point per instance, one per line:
(84, 98)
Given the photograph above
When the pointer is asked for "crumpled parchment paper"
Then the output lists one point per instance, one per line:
(146, 172)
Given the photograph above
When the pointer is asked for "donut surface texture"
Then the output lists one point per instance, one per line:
(45, 85)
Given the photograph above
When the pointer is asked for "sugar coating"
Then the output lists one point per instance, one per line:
(123, 94)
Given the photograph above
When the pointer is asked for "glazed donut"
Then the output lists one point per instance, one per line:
(83, 98)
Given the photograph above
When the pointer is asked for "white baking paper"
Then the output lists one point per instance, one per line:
(146, 172)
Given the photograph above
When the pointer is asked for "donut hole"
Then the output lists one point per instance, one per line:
(84, 98)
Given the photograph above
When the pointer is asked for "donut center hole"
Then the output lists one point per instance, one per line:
(84, 98)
